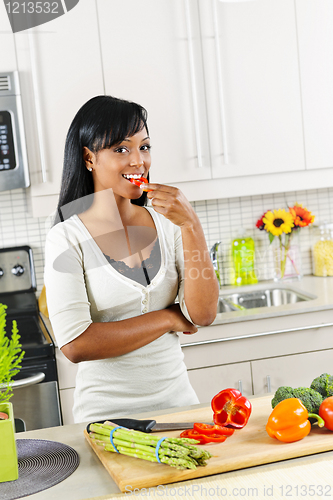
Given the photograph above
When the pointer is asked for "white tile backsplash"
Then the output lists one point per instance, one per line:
(220, 219)
(235, 213)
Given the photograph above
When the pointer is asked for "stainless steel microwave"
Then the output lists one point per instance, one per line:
(14, 172)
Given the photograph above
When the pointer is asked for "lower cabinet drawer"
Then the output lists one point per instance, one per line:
(66, 370)
(67, 401)
(297, 370)
(207, 382)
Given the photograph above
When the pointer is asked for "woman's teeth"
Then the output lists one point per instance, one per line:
(132, 176)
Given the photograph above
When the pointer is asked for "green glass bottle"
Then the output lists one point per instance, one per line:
(243, 258)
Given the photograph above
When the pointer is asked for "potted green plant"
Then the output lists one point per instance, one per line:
(11, 356)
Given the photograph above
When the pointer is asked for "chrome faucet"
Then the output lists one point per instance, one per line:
(213, 255)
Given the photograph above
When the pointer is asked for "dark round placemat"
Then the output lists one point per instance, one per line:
(41, 464)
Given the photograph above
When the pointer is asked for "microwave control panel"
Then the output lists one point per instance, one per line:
(7, 149)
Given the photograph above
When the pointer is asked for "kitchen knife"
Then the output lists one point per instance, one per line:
(148, 425)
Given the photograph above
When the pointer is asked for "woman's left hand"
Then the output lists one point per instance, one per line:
(172, 203)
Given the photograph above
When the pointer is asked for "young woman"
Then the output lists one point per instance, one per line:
(115, 267)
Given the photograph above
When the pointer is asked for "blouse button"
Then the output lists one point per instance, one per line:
(144, 310)
(144, 301)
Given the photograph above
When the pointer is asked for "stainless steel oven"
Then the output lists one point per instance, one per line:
(36, 395)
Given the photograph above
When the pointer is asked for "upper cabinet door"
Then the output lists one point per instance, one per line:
(315, 33)
(253, 87)
(8, 56)
(62, 58)
(151, 53)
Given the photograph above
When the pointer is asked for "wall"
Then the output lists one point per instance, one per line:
(220, 220)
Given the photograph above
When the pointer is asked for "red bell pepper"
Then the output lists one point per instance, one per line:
(231, 409)
(326, 412)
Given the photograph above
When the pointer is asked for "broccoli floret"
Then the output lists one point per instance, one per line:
(282, 393)
(323, 385)
(310, 398)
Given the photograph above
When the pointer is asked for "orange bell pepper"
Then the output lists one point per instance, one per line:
(289, 422)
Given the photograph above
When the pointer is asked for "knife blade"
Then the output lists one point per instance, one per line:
(149, 425)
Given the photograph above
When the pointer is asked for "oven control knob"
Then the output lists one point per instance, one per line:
(1, 272)
(18, 270)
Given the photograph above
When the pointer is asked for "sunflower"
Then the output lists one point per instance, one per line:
(302, 217)
(278, 222)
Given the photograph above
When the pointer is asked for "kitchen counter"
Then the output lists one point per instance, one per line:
(249, 323)
(293, 478)
(319, 289)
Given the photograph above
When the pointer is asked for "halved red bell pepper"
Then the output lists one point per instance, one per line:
(231, 409)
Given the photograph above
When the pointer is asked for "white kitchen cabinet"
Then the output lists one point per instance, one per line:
(66, 381)
(269, 61)
(68, 72)
(207, 382)
(66, 403)
(66, 370)
(296, 371)
(260, 83)
(147, 54)
(315, 35)
(251, 64)
(286, 349)
(8, 57)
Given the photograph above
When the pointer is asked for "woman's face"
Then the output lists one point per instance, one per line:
(112, 167)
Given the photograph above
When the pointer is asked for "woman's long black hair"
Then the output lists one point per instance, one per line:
(100, 123)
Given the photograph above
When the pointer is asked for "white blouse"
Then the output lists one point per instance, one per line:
(82, 288)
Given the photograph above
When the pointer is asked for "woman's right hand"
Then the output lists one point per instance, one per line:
(179, 322)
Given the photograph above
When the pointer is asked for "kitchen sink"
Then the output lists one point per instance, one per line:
(269, 297)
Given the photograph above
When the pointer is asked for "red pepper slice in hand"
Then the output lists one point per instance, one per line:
(139, 182)
(231, 409)
(209, 430)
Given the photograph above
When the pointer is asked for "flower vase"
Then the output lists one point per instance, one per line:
(287, 257)
(8, 453)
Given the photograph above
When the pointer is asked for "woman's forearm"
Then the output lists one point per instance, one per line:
(201, 285)
(111, 339)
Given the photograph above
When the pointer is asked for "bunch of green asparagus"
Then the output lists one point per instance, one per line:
(180, 453)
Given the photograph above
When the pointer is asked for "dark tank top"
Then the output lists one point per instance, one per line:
(143, 274)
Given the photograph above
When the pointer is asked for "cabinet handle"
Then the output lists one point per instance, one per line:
(36, 92)
(251, 335)
(268, 382)
(193, 84)
(220, 83)
(240, 386)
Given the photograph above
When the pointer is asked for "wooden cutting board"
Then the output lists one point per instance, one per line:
(245, 448)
